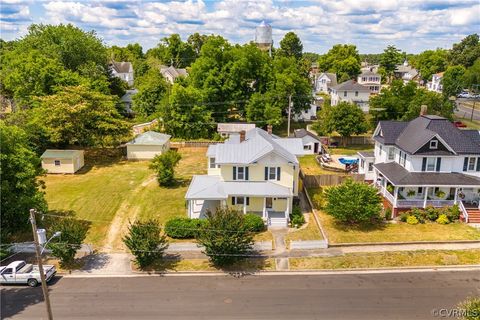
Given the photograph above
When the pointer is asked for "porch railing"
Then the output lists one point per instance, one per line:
(419, 203)
(464, 211)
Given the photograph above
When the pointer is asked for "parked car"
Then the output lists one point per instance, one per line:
(22, 272)
(463, 94)
(459, 124)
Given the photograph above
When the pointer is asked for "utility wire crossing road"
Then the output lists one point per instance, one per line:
(410, 295)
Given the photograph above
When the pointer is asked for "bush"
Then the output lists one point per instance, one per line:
(472, 308)
(404, 216)
(431, 213)
(146, 242)
(318, 198)
(412, 220)
(388, 213)
(164, 166)
(419, 214)
(183, 228)
(453, 213)
(296, 217)
(254, 223)
(442, 219)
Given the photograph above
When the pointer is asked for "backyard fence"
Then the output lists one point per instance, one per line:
(355, 140)
(191, 144)
(315, 181)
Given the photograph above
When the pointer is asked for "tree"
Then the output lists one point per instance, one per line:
(164, 165)
(196, 41)
(452, 81)
(260, 109)
(466, 52)
(353, 202)
(346, 119)
(390, 58)
(430, 62)
(225, 236)
(79, 116)
(173, 51)
(146, 242)
(291, 46)
(21, 189)
(471, 78)
(435, 102)
(152, 88)
(342, 59)
(73, 232)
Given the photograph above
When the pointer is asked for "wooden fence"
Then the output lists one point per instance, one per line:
(192, 144)
(315, 181)
(355, 140)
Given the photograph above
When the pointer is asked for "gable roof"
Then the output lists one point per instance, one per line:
(121, 66)
(234, 126)
(300, 133)
(331, 76)
(351, 85)
(150, 138)
(416, 133)
(174, 72)
(258, 143)
(368, 73)
(59, 154)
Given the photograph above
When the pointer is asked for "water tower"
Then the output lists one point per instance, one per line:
(263, 36)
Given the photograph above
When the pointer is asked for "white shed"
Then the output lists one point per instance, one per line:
(62, 161)
(147, 145)
(311, 143)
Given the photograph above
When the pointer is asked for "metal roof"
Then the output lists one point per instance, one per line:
(399, 176)
(206, 187)
(150, 138)
(234, 126)
(60, 154)
(351, 85)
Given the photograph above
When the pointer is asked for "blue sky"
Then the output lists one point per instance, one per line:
(411, 25)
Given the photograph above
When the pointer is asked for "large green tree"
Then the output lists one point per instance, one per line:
(291, 46)
(452, 81)
(164, 166)
(430, 62)
(471, 78)
(21, 188)
(466, 52)
(79, 116)
(173, 51)
(342, 59)
(152, 89)
(389, 59)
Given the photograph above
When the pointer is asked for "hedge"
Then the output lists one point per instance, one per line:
(183, 228)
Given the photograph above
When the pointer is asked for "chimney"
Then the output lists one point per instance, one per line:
(423, 110)
(269, 129)
(242, 136)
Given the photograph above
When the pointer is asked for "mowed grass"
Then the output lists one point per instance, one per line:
(393, 232)
(388, 259)
(309, 232)
(105, 185)
(310, 166)
(251, 264)
(351, 150)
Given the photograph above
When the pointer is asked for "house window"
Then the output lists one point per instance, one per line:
(307, 147)
(269, 203)
(344, 93)
(471, 164)
(272, 173)
(380, 150)
(370, 166)
(356, 93)
(403, 160)
(239, 200)
(391, 153)
(240, 173)
(57, 163)
(212, 163)
(420, 190)
(431, 162)
(433, 144)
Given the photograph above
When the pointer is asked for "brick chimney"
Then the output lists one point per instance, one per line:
(423, 110)
(269, 129)
(242, 135)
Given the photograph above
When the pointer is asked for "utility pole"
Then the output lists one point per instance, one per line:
(40, 264)
(473, 110)
(289, 112)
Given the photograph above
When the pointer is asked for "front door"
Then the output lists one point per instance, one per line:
(269, 203)
(315, 147)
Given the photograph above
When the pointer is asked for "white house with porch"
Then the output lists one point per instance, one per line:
(425, 162)
(255, 172)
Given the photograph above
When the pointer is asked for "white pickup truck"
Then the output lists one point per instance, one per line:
(22, 272)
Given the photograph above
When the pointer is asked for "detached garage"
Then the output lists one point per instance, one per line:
(62, 161)
(147, 145)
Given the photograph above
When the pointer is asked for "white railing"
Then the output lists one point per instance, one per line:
(464, 211)
(419, 203)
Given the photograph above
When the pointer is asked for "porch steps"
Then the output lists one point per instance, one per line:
(473, 215)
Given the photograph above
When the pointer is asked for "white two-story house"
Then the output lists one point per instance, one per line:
(425, 162)
(351, 91)
(122, 70)
(436, 83)
(371, 80)
(324, 81)
(254, 172)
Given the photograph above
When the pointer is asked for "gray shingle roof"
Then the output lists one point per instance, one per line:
(213, 187)
(59, 154)
(150, 138)
(351, 85)
(366, 154)
(399, 176)
(122, 66)
(410, 136)
(175, 72)
(300, 133)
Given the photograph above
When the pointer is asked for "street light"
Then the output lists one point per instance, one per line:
(55, 235)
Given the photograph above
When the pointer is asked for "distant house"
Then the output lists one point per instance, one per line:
(407, 73)
(147, 145)
(307, 115)
(122, 70)
(324, 81)
(350, 91)
(128, 101)
(311, 142)
(436, 83)
(370, 79)
(233, 128)
(62, 161)
(172, 73)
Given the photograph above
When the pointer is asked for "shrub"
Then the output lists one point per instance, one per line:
(453, 213)
(419, 214)
(296, 217)
(388, 213)
(318, 198)
(404, 216)
(442, 219)
(412, 220)
(183, 228)
(146, 242)
(164, 165)
(254, 223)
(353, 202)
(431, 213)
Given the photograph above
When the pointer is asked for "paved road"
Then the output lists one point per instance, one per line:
(360, 296)
(465, 109)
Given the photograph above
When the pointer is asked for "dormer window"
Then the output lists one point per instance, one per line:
(433, 144)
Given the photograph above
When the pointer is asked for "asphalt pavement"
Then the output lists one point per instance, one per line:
(465, 109)
(412, 295)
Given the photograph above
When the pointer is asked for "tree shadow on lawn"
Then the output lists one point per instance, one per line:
(363, 227)
(250, 265)
(164, 265)
(102, 157)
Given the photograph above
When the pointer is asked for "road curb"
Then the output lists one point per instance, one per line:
(375, 244)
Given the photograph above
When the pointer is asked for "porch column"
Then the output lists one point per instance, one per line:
(189, 209)
(264, 213)
(455, 198)
(395, 197)
(288, 208)
(425, 198)
(244, 205)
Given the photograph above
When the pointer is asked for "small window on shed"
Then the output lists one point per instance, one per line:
(57, 163)
(433, 144)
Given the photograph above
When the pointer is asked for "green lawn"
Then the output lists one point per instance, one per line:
(388, 259)
(310, 232)
(351, 150)
(251, 264)
(393, 232)
(109, 187)
(310, 166)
